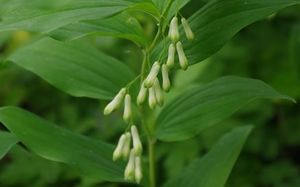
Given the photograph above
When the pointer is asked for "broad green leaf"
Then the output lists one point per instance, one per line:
(175, 7)
(213, 169)
(160, 4)
(74, 67)
(57, 13)
(7, 140)
(147, 7)
(205, 106)
(167, 9)
(220, 20)
(91, 157)
(122, 26)
(8, 6)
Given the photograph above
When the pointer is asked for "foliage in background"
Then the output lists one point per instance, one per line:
(266, 50)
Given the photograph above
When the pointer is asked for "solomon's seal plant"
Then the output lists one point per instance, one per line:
(153, 86)
(145, 97)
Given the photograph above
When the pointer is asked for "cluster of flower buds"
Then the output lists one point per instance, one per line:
(176, 45)
(133, 170)
(152, 85)
(117, 102)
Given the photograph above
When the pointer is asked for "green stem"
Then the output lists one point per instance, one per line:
(143, 68)
(151, 148)
(167, 9)
(152, 168)
(161, 27)
(163, 19)
(147, 128)
(155, 39)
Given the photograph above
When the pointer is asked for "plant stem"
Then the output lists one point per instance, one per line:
(143, 68)
(151, 149)
(152, 167)
(155, 39)
(161, 27)
(148, 130)
(163, 19)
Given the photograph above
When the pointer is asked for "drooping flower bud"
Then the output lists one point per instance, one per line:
(138, 170)
(182, 58)
(127, 109)
(142, 95)
(173, 32)
(152, 98)
(115, 103)
(152, 75)
(187, 29)
(130, 168)
(137, 145)
(165, 78)
(171, 56)
(158, 93)
(119, 149)
(126, 146)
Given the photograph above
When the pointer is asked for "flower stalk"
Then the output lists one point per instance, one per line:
(153, 84)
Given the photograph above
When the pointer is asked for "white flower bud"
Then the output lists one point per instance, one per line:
(142, 95)
(182, 58)
(152, 75)
(165, 78)
(138, 170)
(152, 98)
(115, 103)
(137, 145)
(173, 32)
(187, 29)
(130, 168)
(171, 56)
(159, 95)
(126, 146)
(127, 109)
(118, 151)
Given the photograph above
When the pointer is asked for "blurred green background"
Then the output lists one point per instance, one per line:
(268, 50)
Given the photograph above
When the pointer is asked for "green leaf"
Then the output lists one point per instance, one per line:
(160, 4)
(122, 26)
(213, 169)
(203, 107)
(167, 9)
(7, 140)
(53, 14)
(74, 67)
(146, 7)
(174, 8)
(92, 157)
(220, 20)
